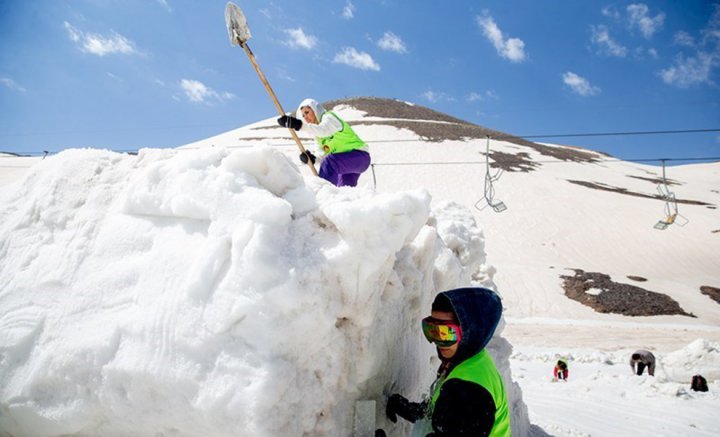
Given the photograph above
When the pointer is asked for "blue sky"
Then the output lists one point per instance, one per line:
(161, 73)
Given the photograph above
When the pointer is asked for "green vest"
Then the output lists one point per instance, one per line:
(341, 141)
(481, 370)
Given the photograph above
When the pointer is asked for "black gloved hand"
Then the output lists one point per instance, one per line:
(397, 405)
(380, 433)
(304, 157)
(289, 121)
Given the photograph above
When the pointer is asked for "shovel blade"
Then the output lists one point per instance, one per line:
(237, 27)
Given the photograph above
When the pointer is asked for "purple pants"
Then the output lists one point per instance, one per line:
(343, 169)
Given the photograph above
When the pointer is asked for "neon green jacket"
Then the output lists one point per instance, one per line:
(480, 369)
(341, 141)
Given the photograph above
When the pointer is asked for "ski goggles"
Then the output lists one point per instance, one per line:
(443, 333)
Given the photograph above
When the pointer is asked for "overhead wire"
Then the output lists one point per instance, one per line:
(609, 134)
(500, 138)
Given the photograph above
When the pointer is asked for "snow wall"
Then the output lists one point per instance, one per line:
(203, 292)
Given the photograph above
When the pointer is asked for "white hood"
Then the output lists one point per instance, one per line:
(314, 105)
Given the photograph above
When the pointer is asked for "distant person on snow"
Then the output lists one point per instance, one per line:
(468, 397)
(698, 383)
(641, 359)
(560, 372)
(344, 155)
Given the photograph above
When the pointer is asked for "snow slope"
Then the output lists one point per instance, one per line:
(14, 167)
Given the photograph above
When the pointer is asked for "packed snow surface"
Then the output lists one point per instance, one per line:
(602, 397)
(205, 292)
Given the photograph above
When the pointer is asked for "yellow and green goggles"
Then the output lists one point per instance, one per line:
(444, 333)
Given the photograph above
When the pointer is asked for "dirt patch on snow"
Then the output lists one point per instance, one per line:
(713, 292)
(518, 162)
(391, 108)
(656, 180)
(625, 191)
(617, 298)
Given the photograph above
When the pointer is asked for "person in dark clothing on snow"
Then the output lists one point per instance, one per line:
(641, 359)
(561, 371)
(468, 397)
(698, 383)
(344, 155)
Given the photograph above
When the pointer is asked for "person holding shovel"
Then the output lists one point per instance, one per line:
(468, 397)
(344, 155)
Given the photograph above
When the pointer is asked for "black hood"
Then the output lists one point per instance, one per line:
(478, 311)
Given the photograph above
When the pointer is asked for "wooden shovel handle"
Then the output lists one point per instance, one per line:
(277, 102)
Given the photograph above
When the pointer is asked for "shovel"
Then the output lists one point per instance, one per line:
(239, 34)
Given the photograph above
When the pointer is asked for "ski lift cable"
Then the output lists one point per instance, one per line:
(502, 137)
(609, 134)
(504, 161)
(557, 161)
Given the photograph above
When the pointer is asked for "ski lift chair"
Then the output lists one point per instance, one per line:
(496, 205)
(671, 209)
(663, 224)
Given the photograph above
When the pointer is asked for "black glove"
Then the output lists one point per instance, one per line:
(397, 405)
(304, 157)
(289, 121)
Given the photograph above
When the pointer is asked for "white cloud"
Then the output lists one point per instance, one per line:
(508, 48)
(348, 11)
(436, 96)
(282, 74)
(638, 16)
(606, 45)
(474, 97)
(353, 58)
(579, 85)
(197, 91)
(479, 97)
(113, 76)
(697, 66)
(392, 42)
(6, 81)
(610, 11)
(711, 33)
(690, 71)
(299, 39)
(683, 38)
(165, 4)
(100, 45)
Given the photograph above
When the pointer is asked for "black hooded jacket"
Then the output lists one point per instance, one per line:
(464, 407)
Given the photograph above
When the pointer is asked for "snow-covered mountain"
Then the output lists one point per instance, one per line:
(220, 289)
